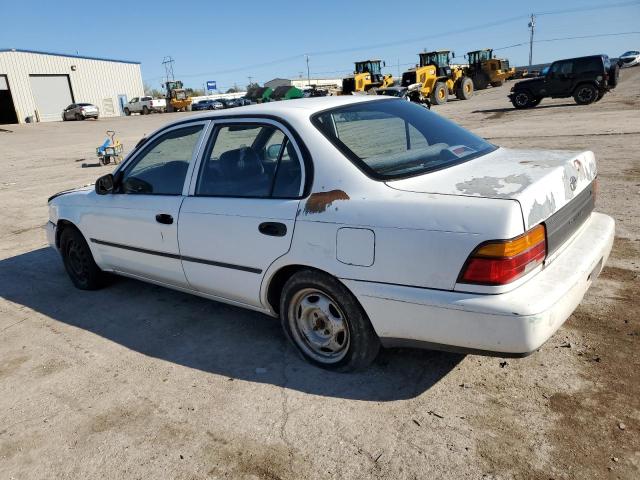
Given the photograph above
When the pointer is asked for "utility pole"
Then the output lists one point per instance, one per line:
(250, 80)
(308, 74)
(168, 62)
(532, 24)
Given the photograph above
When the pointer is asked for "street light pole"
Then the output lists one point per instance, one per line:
(308, 74)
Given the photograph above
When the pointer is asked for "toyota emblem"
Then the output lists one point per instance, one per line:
(573, 183)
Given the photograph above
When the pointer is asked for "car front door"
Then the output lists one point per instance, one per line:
(560, 78)
(134, 230)
(241, 209)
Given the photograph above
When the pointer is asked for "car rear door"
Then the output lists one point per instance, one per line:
(240, 213)
(135, 229)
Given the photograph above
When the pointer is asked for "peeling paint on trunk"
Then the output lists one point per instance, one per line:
(319, 202)
(541, 211)
(494, 186)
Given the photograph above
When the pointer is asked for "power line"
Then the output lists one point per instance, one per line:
(544, 40)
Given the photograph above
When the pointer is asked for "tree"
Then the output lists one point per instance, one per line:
(232, 90)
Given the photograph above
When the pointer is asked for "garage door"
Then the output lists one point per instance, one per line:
(52, 94)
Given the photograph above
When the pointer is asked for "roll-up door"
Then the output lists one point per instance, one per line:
(52, 94)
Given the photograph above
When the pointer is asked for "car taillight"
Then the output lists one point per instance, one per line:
(499, 262)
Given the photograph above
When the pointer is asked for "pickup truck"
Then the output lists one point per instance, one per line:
(145, 105)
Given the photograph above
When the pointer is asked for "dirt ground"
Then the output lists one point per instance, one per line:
(136, 381)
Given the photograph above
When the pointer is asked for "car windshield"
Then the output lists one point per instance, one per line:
(395, 138)
(630, 53)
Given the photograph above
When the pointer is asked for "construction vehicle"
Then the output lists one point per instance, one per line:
(486, 70)
(176, 95)
(434, 79)
(366, 75)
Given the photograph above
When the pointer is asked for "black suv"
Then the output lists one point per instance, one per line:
(586, 79)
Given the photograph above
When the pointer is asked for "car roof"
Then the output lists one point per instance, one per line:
(295, 107)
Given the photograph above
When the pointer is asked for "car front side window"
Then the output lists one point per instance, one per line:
(161, 168)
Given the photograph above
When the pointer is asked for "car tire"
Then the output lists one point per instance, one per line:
(600, 95)
(326, 324)
(127, 112)
(522, 100)
(440, 93)
(77, 117)
(465, 89)
(480, 81)
(145, 110)
(535, 102)
(585, 94)
(78, 261)
(614, 75)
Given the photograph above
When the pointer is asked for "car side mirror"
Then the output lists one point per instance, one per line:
(273, 151)
(104, 184)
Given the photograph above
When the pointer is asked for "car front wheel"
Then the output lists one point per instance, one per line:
(522, 100)
(326, 324)
(78, 261)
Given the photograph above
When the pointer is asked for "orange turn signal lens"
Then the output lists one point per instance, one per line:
(513, 247)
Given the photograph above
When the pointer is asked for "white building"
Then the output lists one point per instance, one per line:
(303, 83)
(39, 85)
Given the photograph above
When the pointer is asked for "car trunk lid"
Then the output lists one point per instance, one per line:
(542, 181)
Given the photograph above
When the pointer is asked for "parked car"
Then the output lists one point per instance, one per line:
(207, 105)
(586, 79)
(80, 111)
(630, 59)
(359, 220)
(145, 105)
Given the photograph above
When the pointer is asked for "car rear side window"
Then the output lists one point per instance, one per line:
(395, 138)
(250, 160)
(161, 168)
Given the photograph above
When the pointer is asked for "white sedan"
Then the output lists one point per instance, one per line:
(359, 221)
(630, 58)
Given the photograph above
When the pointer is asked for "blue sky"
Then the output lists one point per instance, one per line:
(230, 41)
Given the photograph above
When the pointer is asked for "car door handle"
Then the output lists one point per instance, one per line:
(274, 229)
(164, 218)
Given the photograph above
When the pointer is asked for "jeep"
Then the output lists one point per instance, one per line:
(586, 79)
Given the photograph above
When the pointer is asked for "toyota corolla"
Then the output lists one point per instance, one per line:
(360, 221)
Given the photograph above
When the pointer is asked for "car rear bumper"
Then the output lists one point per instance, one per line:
(514, 323)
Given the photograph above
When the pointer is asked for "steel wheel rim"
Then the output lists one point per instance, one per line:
(467, 88)
(76, 259)
(319, 326)
(585, 94)
(441, 93)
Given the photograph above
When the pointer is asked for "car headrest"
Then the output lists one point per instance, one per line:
(240, 162)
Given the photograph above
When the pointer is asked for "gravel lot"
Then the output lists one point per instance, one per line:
(136, 381)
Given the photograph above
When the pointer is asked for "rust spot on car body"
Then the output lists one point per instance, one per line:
(319, 202)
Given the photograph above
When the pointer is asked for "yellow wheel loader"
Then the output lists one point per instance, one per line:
(176, 95)
(434, 79)
(366, 75)
(486, 70)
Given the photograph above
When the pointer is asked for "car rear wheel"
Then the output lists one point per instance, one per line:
(78, 261)
(585, 94)
(522, 100)
(78, 117)
(145, 110)
(127, 112)
(326, 324)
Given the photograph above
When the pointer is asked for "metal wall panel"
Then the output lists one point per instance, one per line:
(92, 80)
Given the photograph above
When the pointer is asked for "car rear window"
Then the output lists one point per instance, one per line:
(394, 138)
